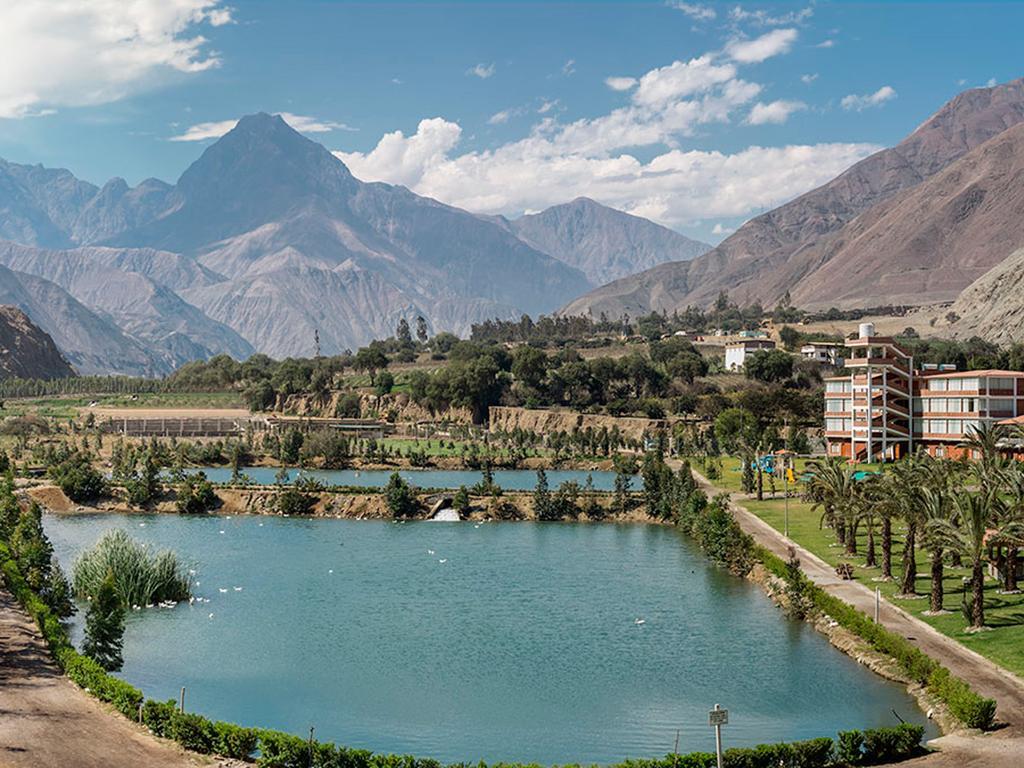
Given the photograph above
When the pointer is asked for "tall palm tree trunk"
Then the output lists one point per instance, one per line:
(937, 587)
(909, 561)
(1012, 557)
(870, 561)
(839, 526)
(887, 547)
(978, 594)
(851, 537)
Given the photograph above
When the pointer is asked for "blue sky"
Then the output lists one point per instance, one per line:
(697, 115)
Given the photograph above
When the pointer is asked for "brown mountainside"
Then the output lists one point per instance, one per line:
(26, 352)
(771, 253)
(928, 243)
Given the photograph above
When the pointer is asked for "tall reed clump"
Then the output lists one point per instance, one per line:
(141, 576)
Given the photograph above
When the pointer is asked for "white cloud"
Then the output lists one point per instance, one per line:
(499, 118)
(773, 43)
(620, 83)
(675, 187)
(858, 102)
(483, 71)
(682, 78)
(765, 19)
(569, 68)
(546, 106)
(696, 11)
(809, 78)
(991, 83)
(775, 112)
(595, 156)
(89, 52)
(718, 229)
(829, 43)
(301, 123)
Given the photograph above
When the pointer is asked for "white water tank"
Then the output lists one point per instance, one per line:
(866, 330)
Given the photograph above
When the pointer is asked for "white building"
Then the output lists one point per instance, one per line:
(736, 352)
(822, 352)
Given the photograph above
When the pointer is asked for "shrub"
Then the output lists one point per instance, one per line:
(965, 705)
(400, 499)
(196, 495)
(77, 478)
(157, 716)
(234, 741)
(193, 732)
(141, 576)
(848, 749)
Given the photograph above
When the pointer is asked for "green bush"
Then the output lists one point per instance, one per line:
(193, 732)
(965, 705)
(157, 716)
(849, 747)
(234, 741)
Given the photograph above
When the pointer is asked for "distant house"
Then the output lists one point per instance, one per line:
(736, 352)
(822, 352)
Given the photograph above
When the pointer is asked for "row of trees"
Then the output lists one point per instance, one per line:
(957, 511)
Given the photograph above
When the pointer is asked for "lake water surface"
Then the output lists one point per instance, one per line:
(497, 641)
(509, 479)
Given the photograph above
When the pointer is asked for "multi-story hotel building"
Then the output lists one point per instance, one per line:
(883, 408)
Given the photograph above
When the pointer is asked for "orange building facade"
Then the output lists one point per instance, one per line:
(884, 408)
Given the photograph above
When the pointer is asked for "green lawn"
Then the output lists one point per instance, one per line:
(732, 473)
(1004, 613)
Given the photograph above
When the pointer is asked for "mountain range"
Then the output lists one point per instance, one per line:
(912, 224)
(267, 239)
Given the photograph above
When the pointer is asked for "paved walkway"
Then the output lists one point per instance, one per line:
(1003, 747)
(46, 721)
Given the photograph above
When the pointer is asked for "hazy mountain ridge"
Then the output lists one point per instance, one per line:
(91, 342)
(604, 243)
(772, 253)
(267, 237)
(26, 351)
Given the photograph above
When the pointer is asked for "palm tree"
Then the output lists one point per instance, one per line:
(938, 507)
(990, 463)
(967, 532)
(830, 489)
(1013, 521)
(867, 503)
(903, 499)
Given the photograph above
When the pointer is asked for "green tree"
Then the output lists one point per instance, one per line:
(542, 504)
(789, 337)
(385, 383)
(104, 627)
(195, 495)
(769, 365)
(460, 502)
(370, 359)
(421, 329)
(399, 497)
(403, 334)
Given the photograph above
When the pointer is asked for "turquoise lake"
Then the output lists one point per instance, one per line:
(509, 479)
(497, 641)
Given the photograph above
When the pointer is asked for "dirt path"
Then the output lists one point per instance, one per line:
(1003, 747)
(46, 721)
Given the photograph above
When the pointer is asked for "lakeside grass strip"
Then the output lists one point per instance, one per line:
(276, 749)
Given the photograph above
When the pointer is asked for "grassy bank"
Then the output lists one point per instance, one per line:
(1004, 644)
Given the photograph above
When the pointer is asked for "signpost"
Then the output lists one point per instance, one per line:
(718, 717)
